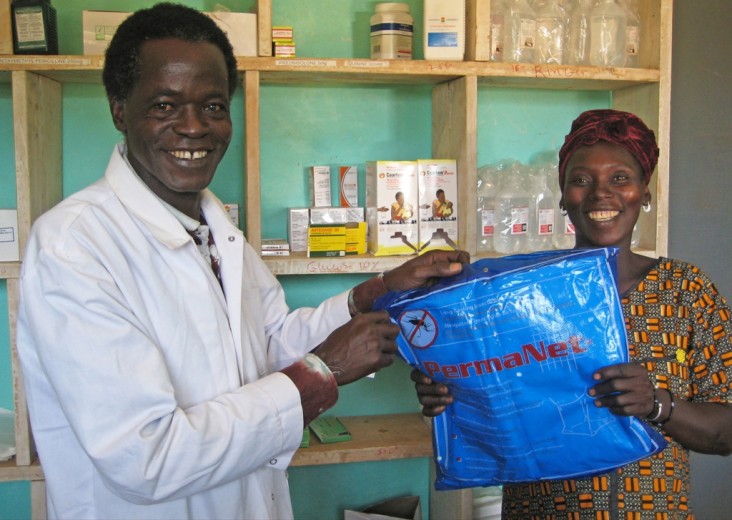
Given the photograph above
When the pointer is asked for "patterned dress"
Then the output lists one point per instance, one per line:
(679, 327)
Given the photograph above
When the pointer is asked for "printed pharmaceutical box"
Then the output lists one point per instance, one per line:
(98, 27)
(348, 177)
(320, 186)
(336, 215)
(9, 251)
(391, 207)
(327, 240)
(438, 204)
(240, 28)
(356, 240)
(297, 228)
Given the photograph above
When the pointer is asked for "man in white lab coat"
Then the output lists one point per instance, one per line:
(166, 377)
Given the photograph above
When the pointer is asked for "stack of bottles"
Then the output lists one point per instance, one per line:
(518, 208)
(600, 33)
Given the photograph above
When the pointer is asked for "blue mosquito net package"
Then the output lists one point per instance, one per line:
(517, 340)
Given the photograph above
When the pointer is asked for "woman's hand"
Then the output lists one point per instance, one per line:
(625, 389)
(434, 397)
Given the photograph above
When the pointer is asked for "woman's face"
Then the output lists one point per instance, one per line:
(604, 189)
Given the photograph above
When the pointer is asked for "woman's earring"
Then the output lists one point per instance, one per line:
(647, 207)
(563, 211)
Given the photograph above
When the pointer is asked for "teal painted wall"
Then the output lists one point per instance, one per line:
(304, 126)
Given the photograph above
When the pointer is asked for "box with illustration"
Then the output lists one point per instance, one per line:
(391, 207)
(438, 204)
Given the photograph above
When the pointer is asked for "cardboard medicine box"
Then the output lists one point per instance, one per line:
(297, 228)
(392, 201)
(98, 28)
(438, 204)
(9, 250)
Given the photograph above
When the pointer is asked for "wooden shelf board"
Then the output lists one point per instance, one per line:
(10, 472)
(319, 71)
(299, 263)
(374, 438)
(9, 270)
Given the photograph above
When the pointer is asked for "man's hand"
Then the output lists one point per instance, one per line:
(425, 268)
(364, 345)
(434, 397)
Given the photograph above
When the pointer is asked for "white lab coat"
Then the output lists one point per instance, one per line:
(151, 395)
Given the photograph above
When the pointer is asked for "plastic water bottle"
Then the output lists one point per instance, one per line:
(519, 38)
(632, 33)
(541, 212)
(487, 190)
(578, 39)
(511, 235)
(550, 33)
(607, 35)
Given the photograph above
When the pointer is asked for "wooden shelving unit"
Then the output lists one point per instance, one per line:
(37, 85)
(373, 438)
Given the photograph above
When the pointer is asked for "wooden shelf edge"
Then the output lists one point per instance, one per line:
(9, 270)
(87, 69)
(373, 438)
(300, 263)
(10, 472)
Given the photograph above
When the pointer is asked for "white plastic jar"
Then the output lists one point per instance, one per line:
(392, 28)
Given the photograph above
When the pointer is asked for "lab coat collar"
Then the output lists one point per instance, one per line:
(140, 200)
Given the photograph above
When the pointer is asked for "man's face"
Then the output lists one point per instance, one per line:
(176, 118)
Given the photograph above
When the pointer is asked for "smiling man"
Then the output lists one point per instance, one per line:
(166, 377)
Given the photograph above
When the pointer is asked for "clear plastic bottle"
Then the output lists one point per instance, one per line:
(511, 235)
(633, 32)
(498, 24)
(519, 37)
(392, 28)
(541, 211)
(487, 190)
(564, 236)
(607, 35)
(578, 38)
(551, 32)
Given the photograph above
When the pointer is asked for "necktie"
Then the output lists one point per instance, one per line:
(203, 238)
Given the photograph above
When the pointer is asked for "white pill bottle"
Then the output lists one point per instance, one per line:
(444, 29)
(392, 28)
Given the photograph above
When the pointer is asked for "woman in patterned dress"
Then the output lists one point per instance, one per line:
(679, 333)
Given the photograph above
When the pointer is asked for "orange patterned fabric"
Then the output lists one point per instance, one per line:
(679, 326)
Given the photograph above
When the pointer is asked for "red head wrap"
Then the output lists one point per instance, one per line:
(616, 127)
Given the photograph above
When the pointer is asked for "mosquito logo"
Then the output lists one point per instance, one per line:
(419, 328)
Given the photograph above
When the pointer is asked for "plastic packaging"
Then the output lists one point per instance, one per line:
(511, 235)
(578, 38)
(541, 214)
(498, 24)
(392, 28)
(444, 29)
(607, 35)
(517, 340)
(633, 33)
(487, 190)
(519, 38)
(551, 32)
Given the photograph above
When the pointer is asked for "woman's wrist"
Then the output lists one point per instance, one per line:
(662, 409)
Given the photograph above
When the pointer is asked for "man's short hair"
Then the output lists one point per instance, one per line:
(164, 20)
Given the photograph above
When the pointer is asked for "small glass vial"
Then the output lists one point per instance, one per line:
(392, 28)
